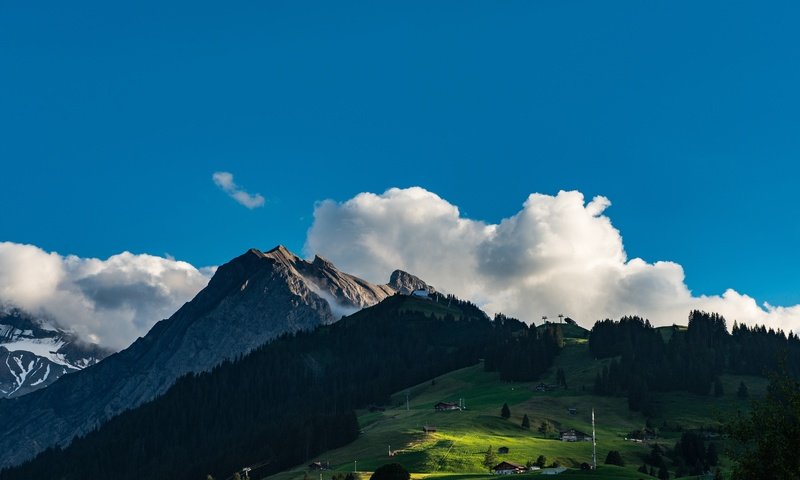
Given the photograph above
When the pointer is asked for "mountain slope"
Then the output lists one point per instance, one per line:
(249, 301)
(282, 403)
(33, 355)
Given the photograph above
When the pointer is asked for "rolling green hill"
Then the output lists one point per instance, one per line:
(456, 450)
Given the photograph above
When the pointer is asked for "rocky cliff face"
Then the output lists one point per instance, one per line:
(249, 301)
(33, 354)
(405, 283)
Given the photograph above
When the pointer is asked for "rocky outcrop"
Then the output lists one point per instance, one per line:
(405, 283)
(248, 302)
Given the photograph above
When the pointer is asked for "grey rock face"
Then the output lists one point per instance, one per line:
(405, 283)
(249, 301)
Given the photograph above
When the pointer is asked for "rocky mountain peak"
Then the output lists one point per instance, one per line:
(249, 301)
(405, 283)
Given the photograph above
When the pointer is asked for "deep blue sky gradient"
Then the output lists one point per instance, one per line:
(686, 115)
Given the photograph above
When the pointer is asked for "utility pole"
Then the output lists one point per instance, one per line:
(355, 466)
(594, 444)
(407, 408)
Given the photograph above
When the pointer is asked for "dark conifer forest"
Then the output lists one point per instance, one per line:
(690, 360)
(291, 399)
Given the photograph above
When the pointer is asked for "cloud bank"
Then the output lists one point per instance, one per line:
(109, 302)
(224, 180)
(558, 254)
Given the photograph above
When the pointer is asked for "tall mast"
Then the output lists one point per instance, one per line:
(594, 444)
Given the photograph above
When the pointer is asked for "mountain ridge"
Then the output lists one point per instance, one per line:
(249, 301)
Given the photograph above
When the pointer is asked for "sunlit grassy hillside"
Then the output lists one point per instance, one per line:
(458, 446)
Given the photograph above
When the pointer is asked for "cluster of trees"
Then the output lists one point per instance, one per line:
(690, 456)
(520, 352)
(765, 441)
(691, 360)
(283, 403)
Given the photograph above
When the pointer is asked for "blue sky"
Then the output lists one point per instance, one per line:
(685, 115)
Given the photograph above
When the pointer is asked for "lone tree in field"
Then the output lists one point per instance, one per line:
(391, 471)
(505, 412)
(545, 428)
(490, 459)
(526, 423)
(541, 461)
(614, 458)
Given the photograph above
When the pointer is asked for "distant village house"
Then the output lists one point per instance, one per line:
(507, 468)
(319, 466)
(446, 406)
(575, 436)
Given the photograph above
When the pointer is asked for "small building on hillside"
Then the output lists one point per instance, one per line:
(319, 466)
(446, 406)
(572, 410)
(428, 429)
(543, 387)
(421, 293)
(507, 468)
(502, 450)
(575, 436)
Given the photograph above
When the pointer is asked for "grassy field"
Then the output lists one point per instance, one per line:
(456, 450)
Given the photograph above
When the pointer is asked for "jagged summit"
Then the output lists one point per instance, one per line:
(249, 301)
(405, 283)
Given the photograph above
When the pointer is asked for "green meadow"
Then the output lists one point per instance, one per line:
(457, 448)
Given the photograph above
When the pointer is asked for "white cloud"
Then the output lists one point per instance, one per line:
(224, 180)
(109, 302)
(558, 254)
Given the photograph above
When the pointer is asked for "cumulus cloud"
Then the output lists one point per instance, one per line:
(224, 180)
(558, 254)
(109, 302)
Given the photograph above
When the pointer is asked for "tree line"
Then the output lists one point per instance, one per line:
(691, 360)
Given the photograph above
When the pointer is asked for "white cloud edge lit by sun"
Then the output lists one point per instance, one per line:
(224, 180)
(110, 302)
(558, 254)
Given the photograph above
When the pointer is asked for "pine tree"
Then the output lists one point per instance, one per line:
(614, 458)
(489, 459)
(541, 461)
(505, 412)
(545, 428)
(526, 423)
(663, 473)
